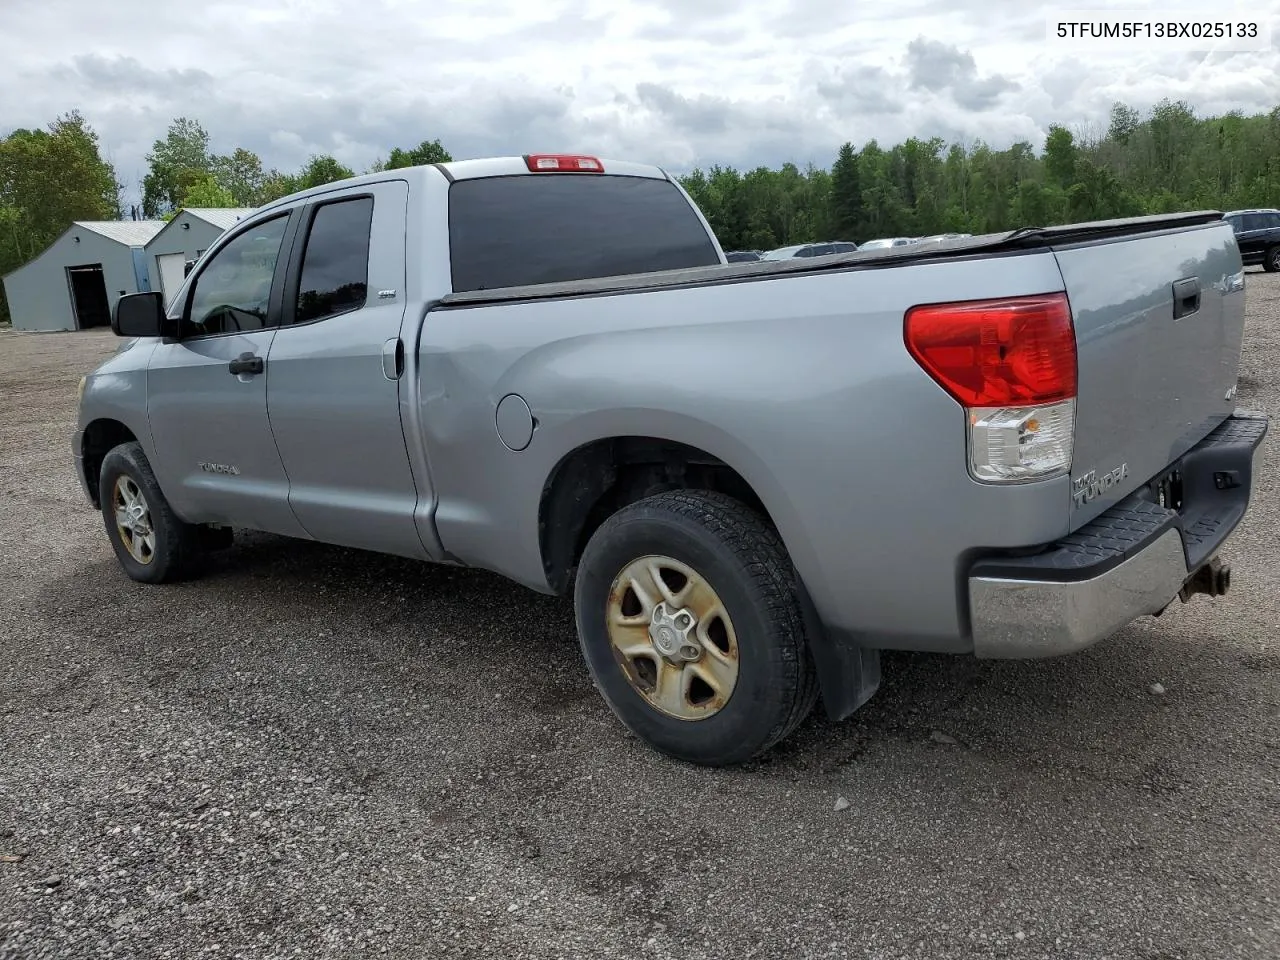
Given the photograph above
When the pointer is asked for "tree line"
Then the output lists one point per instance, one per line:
(1166, 160)
(183, 172)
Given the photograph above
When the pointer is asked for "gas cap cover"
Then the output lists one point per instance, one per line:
(514, 421)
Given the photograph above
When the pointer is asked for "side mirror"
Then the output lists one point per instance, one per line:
(140, 315)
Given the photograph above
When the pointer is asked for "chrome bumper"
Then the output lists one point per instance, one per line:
(1055, 603)
(1022, 619)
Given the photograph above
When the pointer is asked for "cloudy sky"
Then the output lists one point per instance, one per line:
(676, 82)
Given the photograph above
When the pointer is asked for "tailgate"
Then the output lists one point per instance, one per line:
(1159, 320)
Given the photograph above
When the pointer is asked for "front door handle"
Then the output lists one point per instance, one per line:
(246, 363)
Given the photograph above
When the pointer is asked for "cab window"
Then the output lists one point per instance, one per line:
(232, 293)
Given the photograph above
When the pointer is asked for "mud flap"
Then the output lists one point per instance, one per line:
(848, 674)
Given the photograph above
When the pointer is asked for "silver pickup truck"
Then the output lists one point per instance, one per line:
(750, 478)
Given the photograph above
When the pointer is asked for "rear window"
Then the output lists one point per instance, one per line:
(548, 228)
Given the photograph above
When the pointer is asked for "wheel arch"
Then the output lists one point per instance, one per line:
(600, 476)
(98, 438)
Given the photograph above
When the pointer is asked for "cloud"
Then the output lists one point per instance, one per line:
(701, 115)
(939, 67)
(742, 82)
(863, 91)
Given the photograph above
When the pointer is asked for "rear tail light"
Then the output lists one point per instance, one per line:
(1012, 365)
(562, 163)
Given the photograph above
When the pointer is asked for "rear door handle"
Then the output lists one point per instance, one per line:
(1186, 297)
(246, 363)
(393, 358)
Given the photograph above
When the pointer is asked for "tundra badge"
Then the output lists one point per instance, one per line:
(1090, 485)
(220, 468)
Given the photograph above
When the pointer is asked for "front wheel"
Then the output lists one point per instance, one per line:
(1271, 259)
(690, 623)
(152, 544)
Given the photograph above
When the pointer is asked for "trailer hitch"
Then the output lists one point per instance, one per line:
(1213, 579)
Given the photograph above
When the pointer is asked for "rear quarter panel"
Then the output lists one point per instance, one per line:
(801, 383)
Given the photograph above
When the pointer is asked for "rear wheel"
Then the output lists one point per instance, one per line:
(1271, 259)
(692, 629)
(151, 543)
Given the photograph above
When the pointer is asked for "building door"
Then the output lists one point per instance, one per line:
(172, 273)
(89, 296)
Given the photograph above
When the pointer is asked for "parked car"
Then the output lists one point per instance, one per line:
(939, 237)
(742, 256)
(883, 242)
(823, 249)
(750, 479)
(1258, 234)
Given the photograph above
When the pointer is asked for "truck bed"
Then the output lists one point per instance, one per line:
(991, 244)
(806, 389)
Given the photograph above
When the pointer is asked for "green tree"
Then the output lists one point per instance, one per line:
(320, 170)
(175, 163)
(428, 151)
(1060, 157)
(209, 193)
(241, 176)
(276, 185)
(1124, 122)
(48, 179)
(846, 194)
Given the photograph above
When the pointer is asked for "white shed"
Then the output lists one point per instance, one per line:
(76, 282)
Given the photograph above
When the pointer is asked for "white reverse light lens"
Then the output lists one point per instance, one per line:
(1021, 443)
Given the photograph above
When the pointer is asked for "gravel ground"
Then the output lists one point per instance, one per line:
(324, 753)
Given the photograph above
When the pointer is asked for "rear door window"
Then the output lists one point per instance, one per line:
(550, 228)
(335, 263)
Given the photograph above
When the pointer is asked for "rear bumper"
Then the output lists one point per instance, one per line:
(1129, 562)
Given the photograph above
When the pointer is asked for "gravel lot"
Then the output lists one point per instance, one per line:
(319, 752)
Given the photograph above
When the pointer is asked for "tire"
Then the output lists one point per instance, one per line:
(745, 677)
(172, 550)
(1271, 259)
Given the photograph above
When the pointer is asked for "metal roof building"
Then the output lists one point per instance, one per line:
(184, 238)
(76, 282)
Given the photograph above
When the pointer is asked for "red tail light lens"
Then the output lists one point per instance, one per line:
(562, 163)
(993, 353)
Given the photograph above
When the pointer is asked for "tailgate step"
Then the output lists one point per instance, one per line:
(1216, 476)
